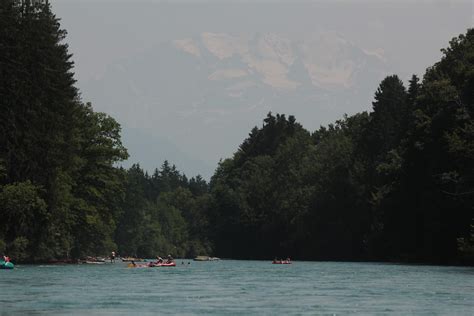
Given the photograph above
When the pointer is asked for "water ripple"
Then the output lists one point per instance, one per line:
(238, 287)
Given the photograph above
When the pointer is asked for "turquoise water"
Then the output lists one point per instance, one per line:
(237, 287)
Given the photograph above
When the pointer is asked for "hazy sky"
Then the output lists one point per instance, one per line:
(410, 32)
(406, 35)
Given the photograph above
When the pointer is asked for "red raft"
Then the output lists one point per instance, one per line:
(281, 262)
(152, 265)
(164, 264)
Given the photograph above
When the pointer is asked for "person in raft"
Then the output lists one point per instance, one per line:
(159, 259)
(112, 257)
(169, 259)
(6, 258)
(133, 263)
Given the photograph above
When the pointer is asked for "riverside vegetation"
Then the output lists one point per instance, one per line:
(396, 183)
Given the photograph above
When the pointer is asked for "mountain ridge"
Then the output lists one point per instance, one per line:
(195, 88)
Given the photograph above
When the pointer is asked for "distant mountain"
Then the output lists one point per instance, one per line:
(204, 93)
(151, 151)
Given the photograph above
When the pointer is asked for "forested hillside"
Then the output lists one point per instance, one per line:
(60, 189)
(393, 184)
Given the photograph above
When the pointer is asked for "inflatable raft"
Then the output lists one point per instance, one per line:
(6, 265)
(151, 265)
(281, 262)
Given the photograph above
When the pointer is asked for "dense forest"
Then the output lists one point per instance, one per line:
(394, 184)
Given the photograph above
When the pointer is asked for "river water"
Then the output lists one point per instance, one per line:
(230, 287)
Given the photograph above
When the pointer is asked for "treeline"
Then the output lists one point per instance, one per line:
(393, 184)
(60, 192)
(62, 195)
(164, 213)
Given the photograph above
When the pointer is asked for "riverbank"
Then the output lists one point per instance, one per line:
(468, 262)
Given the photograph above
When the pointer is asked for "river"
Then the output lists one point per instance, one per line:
(231, 287)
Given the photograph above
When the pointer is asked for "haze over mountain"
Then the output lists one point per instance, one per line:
(191, 91)
(188, 81)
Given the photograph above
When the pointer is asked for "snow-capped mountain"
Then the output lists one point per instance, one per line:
(188, 90)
